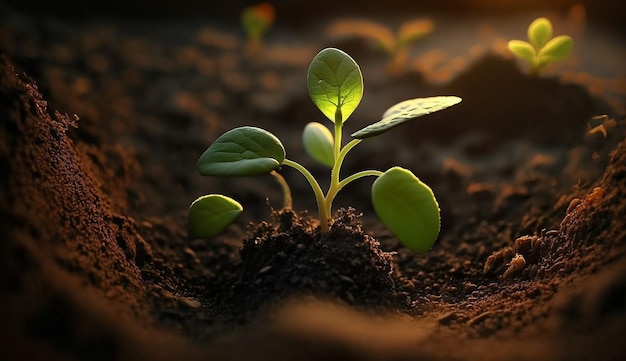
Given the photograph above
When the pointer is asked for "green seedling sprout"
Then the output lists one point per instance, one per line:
(541, 48)
(396, 45)
(256, 21)
(403, 203)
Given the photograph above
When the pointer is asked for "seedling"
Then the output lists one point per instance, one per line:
(396, 45)
(541, 48)
(402, 202)
(256, 21)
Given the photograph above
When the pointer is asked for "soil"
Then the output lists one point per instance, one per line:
(102, 124)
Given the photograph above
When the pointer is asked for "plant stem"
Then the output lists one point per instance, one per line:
(288, 200)
(361, 174)
(317, 190)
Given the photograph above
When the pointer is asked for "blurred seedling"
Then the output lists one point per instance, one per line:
(403, 203)
(541, 49)
(600, 124)
(396, 45)
(256, 21)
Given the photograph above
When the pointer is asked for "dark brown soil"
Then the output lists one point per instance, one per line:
(96, 264)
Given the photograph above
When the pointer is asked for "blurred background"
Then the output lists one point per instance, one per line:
(610, 12)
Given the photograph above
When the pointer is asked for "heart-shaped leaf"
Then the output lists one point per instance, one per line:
(557, 48)
(242, 151)
(522, 50)
(407, 207)
(318, 142)
(539, 32)
(211, 214)
(406, 110)
(335, 84)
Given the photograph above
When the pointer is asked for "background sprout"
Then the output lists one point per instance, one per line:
(403, 203)
(396, 45)
(541, 48)
(256, 21)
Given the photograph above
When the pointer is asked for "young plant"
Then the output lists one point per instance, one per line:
(396, 45)
(256, 21)
(402, 202)
(541, 48)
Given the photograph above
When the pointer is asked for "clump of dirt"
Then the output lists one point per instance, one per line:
(295, 259)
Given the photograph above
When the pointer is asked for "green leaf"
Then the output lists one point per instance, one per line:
(522, 50)
(242, 151)
(539, 32)
(335, 84)
(557, 49)
(407, 207)
(406, 110)
(318, 142)
(211, 214)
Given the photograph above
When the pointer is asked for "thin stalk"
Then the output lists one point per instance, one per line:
(361, 174)
(333, 191)
(288, 200)
(334, 177)
(342, 154)
(317, 190)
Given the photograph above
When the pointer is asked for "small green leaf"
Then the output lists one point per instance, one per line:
(211, 214)
(406, 110)
(522, 50)
(335, 84)
(407, 207)
(242, 151)
(539, 32)
(318, 142)
(556, 49)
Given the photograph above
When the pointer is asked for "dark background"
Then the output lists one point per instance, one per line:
(610, 12)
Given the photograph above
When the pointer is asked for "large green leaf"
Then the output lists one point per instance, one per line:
(318, 142)
(335, 84)
(406, 110)
(407, 207)
(211, 214)
(557, 48)
(242, 151)
(539, 32)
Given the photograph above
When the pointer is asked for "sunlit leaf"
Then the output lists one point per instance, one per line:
(539, 32)
(404, 111)
(242, 151)
(522, 50)
(318, 142)
(335, 84)
(407, 207)
(557, 48)
(211, 214)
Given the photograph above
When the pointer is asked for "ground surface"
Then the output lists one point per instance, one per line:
(96, 262)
